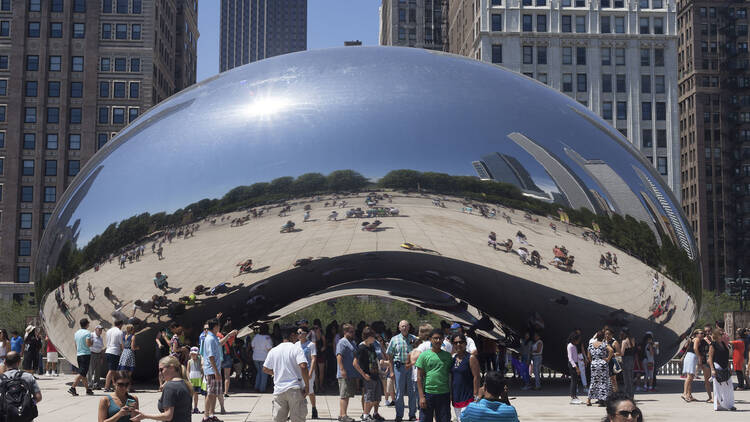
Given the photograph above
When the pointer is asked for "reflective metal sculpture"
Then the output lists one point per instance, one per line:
(455, 185)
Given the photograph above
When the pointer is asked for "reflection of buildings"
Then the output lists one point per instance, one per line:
(569, 184)
(418, 23)
(79, 72)
(507, 169)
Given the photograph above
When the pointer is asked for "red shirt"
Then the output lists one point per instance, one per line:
(51, 347)
(738, 354)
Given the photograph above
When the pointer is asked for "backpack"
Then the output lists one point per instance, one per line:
(16, 399)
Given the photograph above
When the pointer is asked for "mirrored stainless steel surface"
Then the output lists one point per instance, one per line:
(440, 149)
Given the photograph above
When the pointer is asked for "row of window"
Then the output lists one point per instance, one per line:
(107, 89)
(52, 115)
(34, 29)
(50, 167)
(622, 114)
(52, 141)
(570, 22)
(27, 194)
(54, 63)
(31, 89)
(26, 219)
(119, 89)
(580, 55)
(116, 115)
(55, 6)
(122, 6)
(617, 4)
(119, 31)
(119, 64)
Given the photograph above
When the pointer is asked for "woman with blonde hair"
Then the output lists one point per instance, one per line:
(176, 396)
(127, 358)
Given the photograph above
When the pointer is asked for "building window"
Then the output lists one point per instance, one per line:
(34, 29)
(27, 167)
(580, 24)
(620, 83)
(620, 56)
(645, 57)
(606, 29)
(24, 247)
(527, 23)
(645, 84)
(29, 115)
(606, 56)
(3, 61)
(5, 5)
(135, 89)
(622, 110)
(31, 88)
(658, 25)
(53, 89)
(661, 111)
(119, 89)
(402, 34)
(50, 167)
(580, 56)
(50, 194)
(101, 139)
(27, 194)
(541, 54)
(3, 87)
(497, 22)
(26, 219)
(497, 53)
(542, 77)
(77, 64)
(133, 114)
(55, 63)
(103, 115)
(106, 31)
(659, 86)
(619, 24)
(56, 6)
(122, 6)
(51, 141)
(120, 64)
(528, 54)
(45, 219)
(607, 110)
(76, 89)
(35, 5)
(24, 275)
(79, 30)
(567, 82)
(74, 166)
(55, 30)
(645, 111)
(103, 89)
(661, 165)
(75, 116)
(567, 55)
(135, 65)
(644, 25)
(4, 28)
(497, 2)
(29, 141)
(137, 6)
(643, 4)
(541, 23)
(567, 25)
(121, 31)
(659, 57)
(606, 82)
(79, 6)
(2, 143)
(2, 113)
(118, 115)
(135, 32)
(104, 64)
(106, 6)
(74, 141)
(580, 3)
(53, 115)
(647, 140)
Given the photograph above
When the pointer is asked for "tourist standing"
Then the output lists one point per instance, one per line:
(120, 406)
(600, 353)
(261, 344)
(366, 363)
(573, 370)
(16, 343)
(648, 360)
(52, 358)
(287, 364)
(609, 338)
(718, 361)
(348, 378)
(112, 353)
(738, 358)
(398, 353)
(97, 357)
(127, 358)
(195, 374)
(4, 345)
(83, 354)
(434, 381)
(492, 406)
(32, 347)
(689, 365)
(212, 356)
(627, 344)
(465, 376)
(537, 349)
(311, 355)
(176, 394)
(703, 348)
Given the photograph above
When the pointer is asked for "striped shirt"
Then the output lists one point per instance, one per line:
(399, 347)
(489, 411)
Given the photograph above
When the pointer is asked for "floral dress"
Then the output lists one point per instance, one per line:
(601, 385)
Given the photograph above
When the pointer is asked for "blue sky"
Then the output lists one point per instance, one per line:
(329, 24)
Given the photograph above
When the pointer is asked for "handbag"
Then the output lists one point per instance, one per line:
(723, 375)
(617, 366)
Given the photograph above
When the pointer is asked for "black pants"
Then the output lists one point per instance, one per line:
(573, 380)
(740, 379)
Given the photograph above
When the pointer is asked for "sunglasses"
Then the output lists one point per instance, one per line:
(635, 413)
(459, 342)
(122, 384)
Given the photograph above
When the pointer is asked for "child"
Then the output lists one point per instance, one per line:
(195, 373)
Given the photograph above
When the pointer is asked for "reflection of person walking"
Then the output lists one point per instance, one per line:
(159, 252)
(91, 291)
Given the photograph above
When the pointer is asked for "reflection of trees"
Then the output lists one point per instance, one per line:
(626, 233)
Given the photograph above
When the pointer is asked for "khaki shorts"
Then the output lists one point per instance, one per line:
(348, 387)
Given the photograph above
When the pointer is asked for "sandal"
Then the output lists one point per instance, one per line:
(710, 400)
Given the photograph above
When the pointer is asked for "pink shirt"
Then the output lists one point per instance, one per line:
(572, 355)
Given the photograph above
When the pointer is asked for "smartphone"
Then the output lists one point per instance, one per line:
(130, 403)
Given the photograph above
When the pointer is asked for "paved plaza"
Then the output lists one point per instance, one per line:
(550, 404)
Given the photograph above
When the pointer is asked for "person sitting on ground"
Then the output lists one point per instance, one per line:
(492, 240)
(492, 404)
(536, 259)
(245, 266)
(521, 238)
(333, 216)
(523, 253)
(160, 281)
(507, 245)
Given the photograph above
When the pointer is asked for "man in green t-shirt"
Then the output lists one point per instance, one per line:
(434, 368)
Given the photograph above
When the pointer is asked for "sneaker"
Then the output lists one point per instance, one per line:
(47, 374)
(57, 374)
(345, 419)
(377, 417)
(196, 411)
(314, 413)
(412, 418)
(390, 404)
(366, 418)
(72, 390)
(575, 401)
(89, 392)
(214, 419)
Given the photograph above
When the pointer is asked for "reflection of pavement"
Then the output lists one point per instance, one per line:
(550, 404)
(211, 257)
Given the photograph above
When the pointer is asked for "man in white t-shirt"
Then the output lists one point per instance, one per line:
(261, 344)
(112, 353)
(311, 355)
(456, 328)
(287, 364)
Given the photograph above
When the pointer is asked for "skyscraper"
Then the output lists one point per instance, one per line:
(72, 74)
(253, 30)
(714, 94)
(413, 23)
(616, 57)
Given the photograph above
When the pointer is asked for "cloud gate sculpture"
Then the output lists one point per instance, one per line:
(457, 186)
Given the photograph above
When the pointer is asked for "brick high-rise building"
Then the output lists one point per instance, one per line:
(412, 23)
(714, 105)
(253, 30)
(72, 74)
(617, 57)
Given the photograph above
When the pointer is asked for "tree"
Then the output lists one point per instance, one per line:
(281, 185)
(309, 183)
(401, 179)
(346, 180)
(14, 315)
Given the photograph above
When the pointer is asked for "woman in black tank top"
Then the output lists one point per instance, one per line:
(718, 358)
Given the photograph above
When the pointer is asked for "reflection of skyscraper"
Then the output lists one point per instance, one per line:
(566, 180)
(507, 169)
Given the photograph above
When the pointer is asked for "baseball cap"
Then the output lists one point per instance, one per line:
(99, 326)
(455, 326)
(193, 349)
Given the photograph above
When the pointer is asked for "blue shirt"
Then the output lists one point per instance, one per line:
(347, 349)
(81, 336)
(489, 411)
(16, 344)
(211, 347)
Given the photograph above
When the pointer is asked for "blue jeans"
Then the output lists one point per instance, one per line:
(438, 408)
(404, 386)
(261, 378)
(537, 371)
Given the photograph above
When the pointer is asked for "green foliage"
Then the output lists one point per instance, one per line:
(363, 308)
(346, 180)
(713, 306)
(14, 315)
